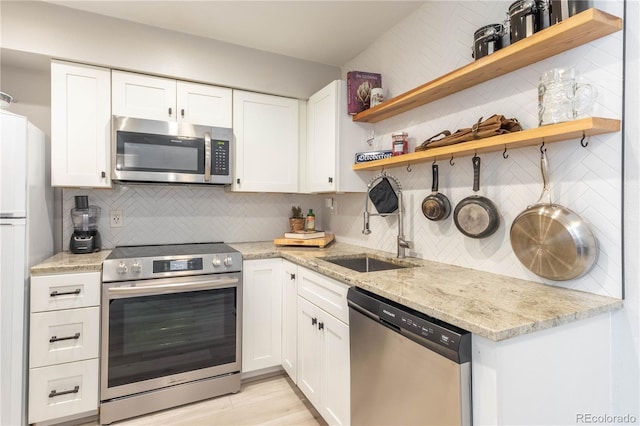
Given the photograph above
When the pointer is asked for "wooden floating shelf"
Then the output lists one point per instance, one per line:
(551, 133)
(568, 34)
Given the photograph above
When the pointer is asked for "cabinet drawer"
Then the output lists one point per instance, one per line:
(324, 292)
(64, 336)
(65, 291)
(63, 390)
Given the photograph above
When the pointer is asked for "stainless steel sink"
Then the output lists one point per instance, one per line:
(364, 263)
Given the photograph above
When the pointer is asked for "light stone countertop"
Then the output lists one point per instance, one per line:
(493, 306)
(67, 262)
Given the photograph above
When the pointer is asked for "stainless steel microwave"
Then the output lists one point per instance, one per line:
(170, 152)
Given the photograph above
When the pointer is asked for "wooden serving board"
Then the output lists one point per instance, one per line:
(309, 242)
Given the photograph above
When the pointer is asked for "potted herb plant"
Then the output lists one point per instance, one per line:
(296, 221)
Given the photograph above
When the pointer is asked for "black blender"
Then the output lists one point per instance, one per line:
(85, 237)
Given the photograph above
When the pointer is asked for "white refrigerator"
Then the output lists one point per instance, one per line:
(26, 238)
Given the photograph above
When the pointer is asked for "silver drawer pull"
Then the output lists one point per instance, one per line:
(57, 339)
(65, 293)
(53, 393)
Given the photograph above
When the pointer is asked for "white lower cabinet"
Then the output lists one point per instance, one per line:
(323, 372)
(290, 318)
(261, 314)
(64, 346)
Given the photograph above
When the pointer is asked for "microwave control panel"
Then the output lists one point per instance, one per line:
(219, 157)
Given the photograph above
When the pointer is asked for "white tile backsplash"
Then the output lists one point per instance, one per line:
(437, 39)
(161, 214)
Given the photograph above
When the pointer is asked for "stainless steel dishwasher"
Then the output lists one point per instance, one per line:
(406, 367)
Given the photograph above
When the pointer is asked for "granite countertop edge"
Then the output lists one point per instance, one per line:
(492, 306)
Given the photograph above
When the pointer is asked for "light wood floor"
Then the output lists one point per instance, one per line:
(270, 401)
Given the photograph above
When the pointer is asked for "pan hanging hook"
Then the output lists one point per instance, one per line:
(451, 161)
(409, 167)
(542, 148)
(504, 154)
(584, 143)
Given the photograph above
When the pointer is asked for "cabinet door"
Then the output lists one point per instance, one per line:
(143, 96)
(310, 352)
(266, 142)
(203, 104)
(80, 125)
(261, 314)
(335, 402)
(322, 136)
(289, 318)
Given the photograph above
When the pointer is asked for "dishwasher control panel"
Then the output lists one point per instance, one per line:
(446, 339)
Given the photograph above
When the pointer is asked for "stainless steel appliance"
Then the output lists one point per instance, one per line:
(171, 327)
(406, 368)
(170, 152)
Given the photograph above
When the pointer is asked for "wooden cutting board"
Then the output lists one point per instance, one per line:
(309, 242)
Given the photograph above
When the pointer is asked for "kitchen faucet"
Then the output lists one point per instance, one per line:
(402, 244)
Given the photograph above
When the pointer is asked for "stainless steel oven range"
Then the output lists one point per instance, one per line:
(171, 327)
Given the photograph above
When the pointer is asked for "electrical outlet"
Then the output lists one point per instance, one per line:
(116, 219)
(332, 205)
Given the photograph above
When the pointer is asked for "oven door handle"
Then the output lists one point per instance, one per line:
(144, 290)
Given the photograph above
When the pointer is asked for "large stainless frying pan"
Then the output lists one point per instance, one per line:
(550, 240)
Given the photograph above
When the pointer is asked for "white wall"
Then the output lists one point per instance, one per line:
(437, 39)
(626, 323)
(65, 33)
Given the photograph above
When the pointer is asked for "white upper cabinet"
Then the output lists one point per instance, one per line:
(265, 129)
(332, 142)
(80, 125)
(203, 104)
(165, 99)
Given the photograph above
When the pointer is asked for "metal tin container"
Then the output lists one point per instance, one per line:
(487, 40)
(523, 19)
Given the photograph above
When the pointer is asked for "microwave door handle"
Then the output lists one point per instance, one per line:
(207, 156)
(145, 290)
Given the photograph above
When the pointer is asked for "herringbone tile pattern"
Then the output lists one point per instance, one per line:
(431, 42)
(437, 39)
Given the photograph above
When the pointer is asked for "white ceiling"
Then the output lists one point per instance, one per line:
(329, 32)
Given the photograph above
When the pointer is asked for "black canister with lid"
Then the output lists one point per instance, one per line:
(523, 19)
(563, 9)
(487, 40)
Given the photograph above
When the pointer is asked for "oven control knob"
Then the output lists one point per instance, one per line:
(215, 262)
(122, 268)
(228, 261)
(136, 267)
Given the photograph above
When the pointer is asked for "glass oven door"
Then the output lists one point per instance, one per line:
(162, 332)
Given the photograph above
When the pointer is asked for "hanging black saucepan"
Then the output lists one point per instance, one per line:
(552, 241)
(436, 206)
(476, 216)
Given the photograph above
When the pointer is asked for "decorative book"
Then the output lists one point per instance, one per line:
(359, 85)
